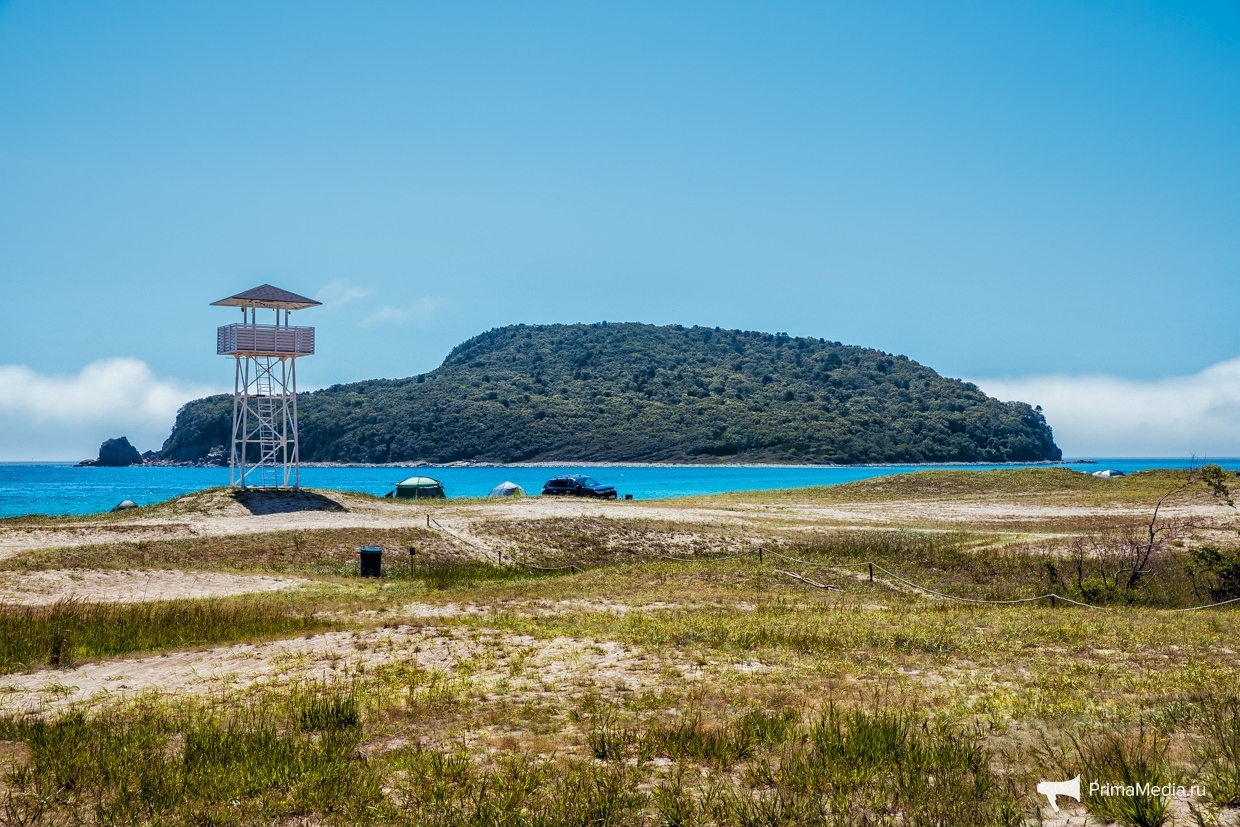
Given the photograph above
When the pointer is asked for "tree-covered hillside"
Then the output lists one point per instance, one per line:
(636, 392)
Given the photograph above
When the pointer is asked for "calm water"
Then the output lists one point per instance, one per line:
(29, 488)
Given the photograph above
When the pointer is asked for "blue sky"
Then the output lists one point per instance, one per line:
(1041, 197)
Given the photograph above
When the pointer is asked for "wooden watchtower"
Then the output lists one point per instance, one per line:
(264, 428)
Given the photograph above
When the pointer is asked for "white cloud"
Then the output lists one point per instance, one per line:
(1109, 416)
(66, 417)
(337, 293)
(420, 309)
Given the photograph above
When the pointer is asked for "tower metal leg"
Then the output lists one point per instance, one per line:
(265, 424)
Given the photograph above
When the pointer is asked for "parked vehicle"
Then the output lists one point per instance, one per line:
(578, 485)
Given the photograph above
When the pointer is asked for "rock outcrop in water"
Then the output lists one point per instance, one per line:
(115, 453)
(641, 393)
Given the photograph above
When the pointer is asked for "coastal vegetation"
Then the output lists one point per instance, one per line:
(635, 392)
(65, 632)
(680, 674)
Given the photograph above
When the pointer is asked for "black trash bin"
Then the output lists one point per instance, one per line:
(372, 562)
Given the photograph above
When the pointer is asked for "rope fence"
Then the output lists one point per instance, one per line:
(1207, 606)
(824, 586)
(872, 567)
(1051, 596)
(499, 554)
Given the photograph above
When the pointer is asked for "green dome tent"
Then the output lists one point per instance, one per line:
(419, 488)
(507, 489)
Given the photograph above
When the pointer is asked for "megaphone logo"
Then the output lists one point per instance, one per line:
(1050, 789)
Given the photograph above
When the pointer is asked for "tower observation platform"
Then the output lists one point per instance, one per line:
(264, 450)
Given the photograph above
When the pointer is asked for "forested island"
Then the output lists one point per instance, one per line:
(642, 393)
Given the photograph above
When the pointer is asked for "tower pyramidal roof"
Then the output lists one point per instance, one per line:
(267, 296)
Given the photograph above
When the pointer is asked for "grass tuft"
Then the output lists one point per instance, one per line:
(58, 634)
(1219, 753)
(148, 765)
(1130, 761)
(321, 708)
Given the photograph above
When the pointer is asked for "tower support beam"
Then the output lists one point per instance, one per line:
(264, 452)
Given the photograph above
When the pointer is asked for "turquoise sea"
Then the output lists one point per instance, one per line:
(60, 488)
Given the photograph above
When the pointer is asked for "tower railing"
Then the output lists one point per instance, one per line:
(264, 340)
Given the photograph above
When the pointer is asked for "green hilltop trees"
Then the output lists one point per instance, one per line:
(636, 392)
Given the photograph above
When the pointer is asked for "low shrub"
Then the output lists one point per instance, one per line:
(1216, 572)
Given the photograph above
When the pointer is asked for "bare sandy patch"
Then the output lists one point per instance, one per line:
(213, 670)
(488, 659)
(471, 524)
(39, 588)
(527, 608)
(425, 610)
(566, 606)
(227, 518)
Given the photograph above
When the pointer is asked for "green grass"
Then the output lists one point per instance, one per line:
(194, 503)
(982, 566)
(301, 752)
(1219, 751)
(1008, 666)
(854, 765)
(847, 768)
(59, 634)
(1127, 760)
(598, 540)
(712, 692)
(191, 765)
(691, 738)
(465, 574)
(786, 746)
(447, 789)
(324, 551)
(1046, 484)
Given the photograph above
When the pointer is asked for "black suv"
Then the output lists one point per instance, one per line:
(577, 485)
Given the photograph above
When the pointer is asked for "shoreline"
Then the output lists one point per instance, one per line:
(47, 489)
(611, 464)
